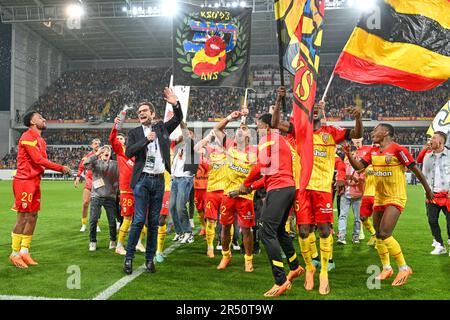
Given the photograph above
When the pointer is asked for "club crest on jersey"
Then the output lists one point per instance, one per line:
(388, 159)
(24, 205)
(325, 137)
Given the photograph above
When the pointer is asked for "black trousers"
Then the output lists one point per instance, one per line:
(96, 209)
(273, 233)
(433, 211)
(191, 204)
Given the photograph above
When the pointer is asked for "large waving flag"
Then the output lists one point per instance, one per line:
(405, 43)
(300, 25)
(441, 122)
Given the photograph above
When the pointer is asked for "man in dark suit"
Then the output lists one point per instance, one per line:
(150, 145)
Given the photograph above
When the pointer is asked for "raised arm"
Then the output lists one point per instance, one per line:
(115, 144)
(275, 111)
(356, 132)
(219, 129)
(356, 164)
(170, 97)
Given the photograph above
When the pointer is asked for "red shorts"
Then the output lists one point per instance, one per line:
(126, 204)
(315, 207)
(213, 201)
(165, 204)
(88, 184)
(27, 194)
(200, 199)
(383, 207)
(243, 208)
(367, 206)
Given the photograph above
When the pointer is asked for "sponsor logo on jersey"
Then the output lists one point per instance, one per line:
(382, 173)
(319, 153)
(238, 169)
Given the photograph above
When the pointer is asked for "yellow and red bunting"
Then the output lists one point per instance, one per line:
(405, 43)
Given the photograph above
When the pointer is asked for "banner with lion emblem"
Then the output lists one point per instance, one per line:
(441, 122)
(211, 46)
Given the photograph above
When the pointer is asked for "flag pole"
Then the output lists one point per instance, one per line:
(327, 87)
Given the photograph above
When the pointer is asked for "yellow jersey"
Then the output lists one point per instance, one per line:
(369, 186)
(325, 140)
(239, 165)
(216, 172)
(389, 167)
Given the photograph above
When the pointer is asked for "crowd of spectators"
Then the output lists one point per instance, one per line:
(100, 95)
(67, 156)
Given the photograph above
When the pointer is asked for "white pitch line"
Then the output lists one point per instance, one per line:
(6, 297)
(115, 287)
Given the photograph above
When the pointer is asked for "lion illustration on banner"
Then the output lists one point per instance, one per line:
(212, 58)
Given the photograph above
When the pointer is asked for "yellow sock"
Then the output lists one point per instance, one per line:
(287, 227)
(162, 230)
(201, 216)
(83, 220)
(226, 254)
(143, 233)
(305, 248)
(26, 242)
(232, 232)
(210, 232)
(369, 226)
(331, 244)
(248, 258)
(325, 253)
(395, 250)
(383, 253)
(123, 231)
(16, 241)
(313, 244)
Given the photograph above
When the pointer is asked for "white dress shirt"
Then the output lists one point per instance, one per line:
(154, 162)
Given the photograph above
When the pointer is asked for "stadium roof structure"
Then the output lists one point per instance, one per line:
(137, 29)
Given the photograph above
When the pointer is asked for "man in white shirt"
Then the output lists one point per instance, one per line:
(436, 168)
(184, 167)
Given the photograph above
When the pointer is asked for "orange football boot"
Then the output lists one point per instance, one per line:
(295, 273)
(210, 253)
(385, 274)
(277, 290)
(224, 263)
(18, 262)
(309, 279)
(402, 277)
(249, 266)
(324, 287)
(28, 260)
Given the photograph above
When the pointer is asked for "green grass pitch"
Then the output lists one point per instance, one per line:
(187, 273)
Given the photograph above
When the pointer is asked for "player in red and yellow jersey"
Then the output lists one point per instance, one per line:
(31, 162)
(275, 164)
(215, 153)
(200, 185)
(241, 157)
(95, 144)
(316, 202)
(389, 161)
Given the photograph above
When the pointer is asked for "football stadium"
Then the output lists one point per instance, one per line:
(225, 150)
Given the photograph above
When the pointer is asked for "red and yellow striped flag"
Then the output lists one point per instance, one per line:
(405, 43)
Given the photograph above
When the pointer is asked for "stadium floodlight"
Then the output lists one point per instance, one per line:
(124, 9)
(134, 11)
(140, 9)
(75, 11)
(243, 4)
(234, 4)
(351, 3)
(169, 7)
(366, 5)
(228, 4)
(216, 5)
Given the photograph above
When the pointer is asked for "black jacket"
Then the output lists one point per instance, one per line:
(137, 143)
